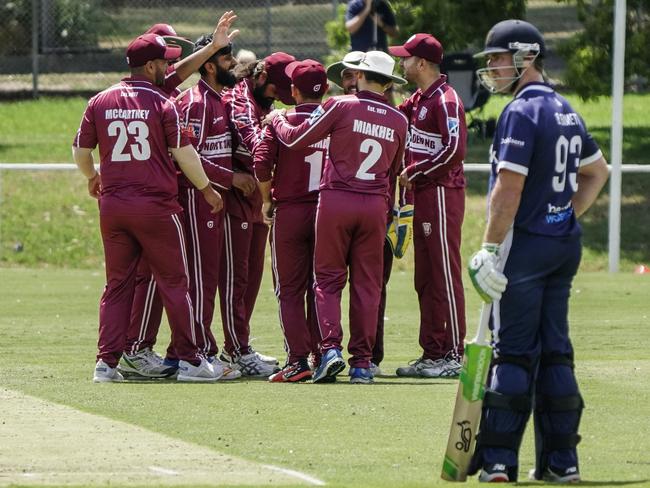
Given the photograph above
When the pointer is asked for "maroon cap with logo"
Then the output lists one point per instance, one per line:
(274, 65)
(148, 47)
(423, 46)
(162, 30)
(308, 76)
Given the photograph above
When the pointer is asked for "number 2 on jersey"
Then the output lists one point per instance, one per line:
(373, 150)
(140, 151)
(563, 150)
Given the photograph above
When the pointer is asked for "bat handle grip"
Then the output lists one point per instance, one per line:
(483, 324)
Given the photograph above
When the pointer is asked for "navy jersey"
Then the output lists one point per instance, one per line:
(540, 136)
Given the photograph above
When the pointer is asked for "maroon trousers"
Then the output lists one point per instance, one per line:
(350, 232)
(378, 349)
(240, 278)
(437, 226)
(204, 241)
(160, 241)
(292, 252)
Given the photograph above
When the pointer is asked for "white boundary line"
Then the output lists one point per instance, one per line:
(290, 472)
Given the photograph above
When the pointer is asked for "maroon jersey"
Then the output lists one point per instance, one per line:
(134, 125)
(246, 116)
(367, 138)
(210, 132)
(172, 81)
(296, 173)
(438, 136)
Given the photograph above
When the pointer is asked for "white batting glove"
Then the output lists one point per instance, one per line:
(489, 282)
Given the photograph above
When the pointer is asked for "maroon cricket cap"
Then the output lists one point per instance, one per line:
(162, 30)
(308, 76)
(424, 46)
(148, 47)
(274, 65)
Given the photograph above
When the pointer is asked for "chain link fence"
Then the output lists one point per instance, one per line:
(78, 45)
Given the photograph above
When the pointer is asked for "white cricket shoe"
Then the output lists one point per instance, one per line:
(203, 373)
(423, 368)
(105, 374)
(252, 365)
(227, 371)
(227, 358)
(144, 364)
(375, 370)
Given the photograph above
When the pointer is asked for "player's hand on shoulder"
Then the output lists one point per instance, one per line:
(489, 282)
(213, 198)
(244, 182)
(268, 120)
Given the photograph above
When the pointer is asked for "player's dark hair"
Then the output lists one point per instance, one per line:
(377, 78)
(205, 40)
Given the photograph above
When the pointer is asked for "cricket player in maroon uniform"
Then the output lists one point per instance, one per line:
(434, 169)
(139, 359)
(206, 115)
(346, 78)
(245, 230)
(367, 138)
(136, 126)
(289, 181)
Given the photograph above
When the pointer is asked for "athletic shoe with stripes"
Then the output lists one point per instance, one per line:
(144, 364)
(251, 365)
(227, 358)
(292, 373)
(105, 374)
(423, 368)
(330, 365)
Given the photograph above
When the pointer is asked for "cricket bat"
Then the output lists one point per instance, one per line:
(469, 400)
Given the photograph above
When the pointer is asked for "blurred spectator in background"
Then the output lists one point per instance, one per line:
(368, 22)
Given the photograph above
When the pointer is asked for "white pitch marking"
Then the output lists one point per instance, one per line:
(305, 477)
(158, 469)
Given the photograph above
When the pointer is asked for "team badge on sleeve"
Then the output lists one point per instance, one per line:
(315, 115)
(453, 126)
(195, 129)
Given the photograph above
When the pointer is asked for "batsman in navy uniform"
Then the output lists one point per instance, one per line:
(546, 172)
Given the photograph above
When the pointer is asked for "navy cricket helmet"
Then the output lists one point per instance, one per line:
(514, 36)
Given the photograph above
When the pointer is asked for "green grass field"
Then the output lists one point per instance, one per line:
(391, 434)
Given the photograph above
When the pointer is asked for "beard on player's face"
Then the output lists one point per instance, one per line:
(226, 77)
(259, 94)
(159, 73)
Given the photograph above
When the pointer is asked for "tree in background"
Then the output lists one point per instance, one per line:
(457, 25)
(589, 53)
